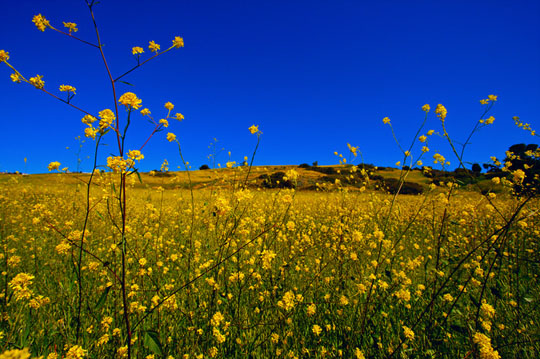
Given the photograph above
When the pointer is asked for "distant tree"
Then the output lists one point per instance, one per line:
(204, 167)
(476, 169)
(304, 165)
(315, 164)
(527, 159)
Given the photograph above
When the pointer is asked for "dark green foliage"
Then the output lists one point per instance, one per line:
(275, 180)
(204, 167)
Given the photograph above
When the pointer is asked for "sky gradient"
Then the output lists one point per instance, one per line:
(314, 75)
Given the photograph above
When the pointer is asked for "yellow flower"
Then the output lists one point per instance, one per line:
(37, 81)
(40, 22)
(441, 111)
(88, 119)
(316, 329)
(409, 334)
(137, 50)
(178, 42)
(107, 118)
(422, 138)
(484, 346)
(67, 88)
(153, 46)
(164, 122)
(16, 354)
(179, 116)
(54, 166)
(130, 100)
(135, 155)
(4, 56)
(430, 132)
(75, 352)
(484, 101)
(90, 132)
(254, 129)
(15, 77)
(71, 26)
(171, 137)
(145, 112)
(492, 98)
(311, 309)
(386, 120)
(169, 106)
(426, 108)
(489, 120)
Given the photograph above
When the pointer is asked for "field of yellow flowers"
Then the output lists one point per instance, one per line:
(238, 272)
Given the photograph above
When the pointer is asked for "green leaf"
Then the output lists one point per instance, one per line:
(151, 340)
(139, 176)
(102, 299)
(127, 83)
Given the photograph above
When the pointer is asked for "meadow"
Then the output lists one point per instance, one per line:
(242, 272)
(346, 261)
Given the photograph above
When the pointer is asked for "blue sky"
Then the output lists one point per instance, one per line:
(314, 75)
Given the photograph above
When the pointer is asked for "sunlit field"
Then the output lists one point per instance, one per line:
(245, 272)
(350, 260)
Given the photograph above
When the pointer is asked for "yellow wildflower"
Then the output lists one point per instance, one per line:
(16, 354)
(171, 137)
(422, 138)
(169, 106)
(441, 111)
(67, 88)
(75, 352)
(40, 22)
(178, 42)
(37, 81)
(88, 119)
(130, 100)
(386, 120)
(137, 50)
(4, 56)
(316, 329)
(254, 129)
(53, 166)
(426, 108)
(15, 77)
(153, 46)
(164, 122)
(71, 26)
(179, 116)
(409, 334)
(492, 98)
(107, 118)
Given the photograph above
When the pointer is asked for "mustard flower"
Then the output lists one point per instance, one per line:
(40, 22)
(178, 42)
(37, 82)
(169, 106)
(386, 120)
(75, 352)
(15, 77)
(4, 56)
(441, 112)
(171, 137)
(90, 132)
(88, 119)
(137, 50)
(107, 118)
(484, 101)
(71, 26)
(145, 112)
(484, 346)
(16, 354)
(492, 98)
(164, 122)
(426, 108)
(254, 129)
(358, 354)
(135, 155)
(179, 116)
(316, 329)
(153, 46)
(422, 138)
(430, 132)
(67, 88)
(53, 166)
(130, 100)
(409, 334)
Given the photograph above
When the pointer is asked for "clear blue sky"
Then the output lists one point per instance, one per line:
(314, 75)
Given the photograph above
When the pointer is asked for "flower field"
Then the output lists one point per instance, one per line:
(243, 272)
